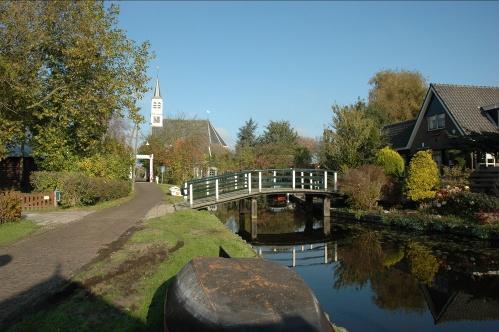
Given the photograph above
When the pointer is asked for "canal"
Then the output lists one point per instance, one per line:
(370, 278)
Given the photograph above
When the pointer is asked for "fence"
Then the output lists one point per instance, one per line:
(37, 201)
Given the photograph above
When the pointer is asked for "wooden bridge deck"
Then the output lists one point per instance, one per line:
(200, 203)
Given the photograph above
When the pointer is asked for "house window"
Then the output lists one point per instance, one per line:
(436, 121)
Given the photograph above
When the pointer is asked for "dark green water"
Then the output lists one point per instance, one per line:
(379, 279)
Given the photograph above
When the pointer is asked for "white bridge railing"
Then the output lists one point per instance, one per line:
(250, 182)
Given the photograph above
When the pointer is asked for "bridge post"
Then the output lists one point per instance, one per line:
(335, 181)
(294, 179)
(275, 174)
(185, 191)
(327, 206)
(325, 180)
(249, 183)
(191, 196)
(294, 257)
(302, 180)
(259, 181)
(335, 251)
(311, 182)
(254, 215)
(245, 180)
(216, 190)
(235, 181)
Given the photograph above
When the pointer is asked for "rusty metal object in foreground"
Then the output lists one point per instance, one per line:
(247, 294)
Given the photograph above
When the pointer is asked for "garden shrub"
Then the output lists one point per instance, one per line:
(79, 189)
(422, 177)
(391, 161)
(467, 203)
(455, 176)
(10, 206)
(363, 186)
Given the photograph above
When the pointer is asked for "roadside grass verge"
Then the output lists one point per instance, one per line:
(12, 231)
(169, 198)
(125, 291)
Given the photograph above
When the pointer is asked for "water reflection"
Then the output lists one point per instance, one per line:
(376, 279)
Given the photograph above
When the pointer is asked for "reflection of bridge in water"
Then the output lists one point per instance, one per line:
(301, 255)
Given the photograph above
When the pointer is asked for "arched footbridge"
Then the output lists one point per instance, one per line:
(201, 193)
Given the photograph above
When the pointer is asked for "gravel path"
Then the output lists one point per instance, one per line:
(34, 268)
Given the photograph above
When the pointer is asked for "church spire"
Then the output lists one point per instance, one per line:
(157, 93)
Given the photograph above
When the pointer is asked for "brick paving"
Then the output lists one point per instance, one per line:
(36, 267)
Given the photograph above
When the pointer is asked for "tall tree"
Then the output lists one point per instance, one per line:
(247, 134)
(276, 147)
(68, 70)
(396, 95)
(352, 138)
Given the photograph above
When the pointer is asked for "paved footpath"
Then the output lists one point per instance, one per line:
(36, 267)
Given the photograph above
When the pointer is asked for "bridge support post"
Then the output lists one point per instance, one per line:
(294, 179)
(275, 174)
(259, 181)
(327, 206)
(301, 180)
(335, 181)
(216, 190)
(327, 226)
(254, 218)
(325, 180)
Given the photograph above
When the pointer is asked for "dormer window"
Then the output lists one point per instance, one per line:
(436, 121)
(492, 112)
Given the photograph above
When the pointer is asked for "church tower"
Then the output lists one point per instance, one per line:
(157, 107)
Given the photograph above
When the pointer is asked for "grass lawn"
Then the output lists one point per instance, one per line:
(125, 291)
(13, 231)
(169, 198)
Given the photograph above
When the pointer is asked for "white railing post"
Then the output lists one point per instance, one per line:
(302, 180)
(311, 182)
(259, 181)
(325, 253)
(335, 178)
(235, 179)
(294, 180)
(185, 191)
(325, 180)
(216, 190)
(191, 195)
(246, 180)
(249, 183)
(207, 188)
(294, 257)
(275, 174)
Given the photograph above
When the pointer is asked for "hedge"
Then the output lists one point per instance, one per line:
(10, 206)
(79, 189)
